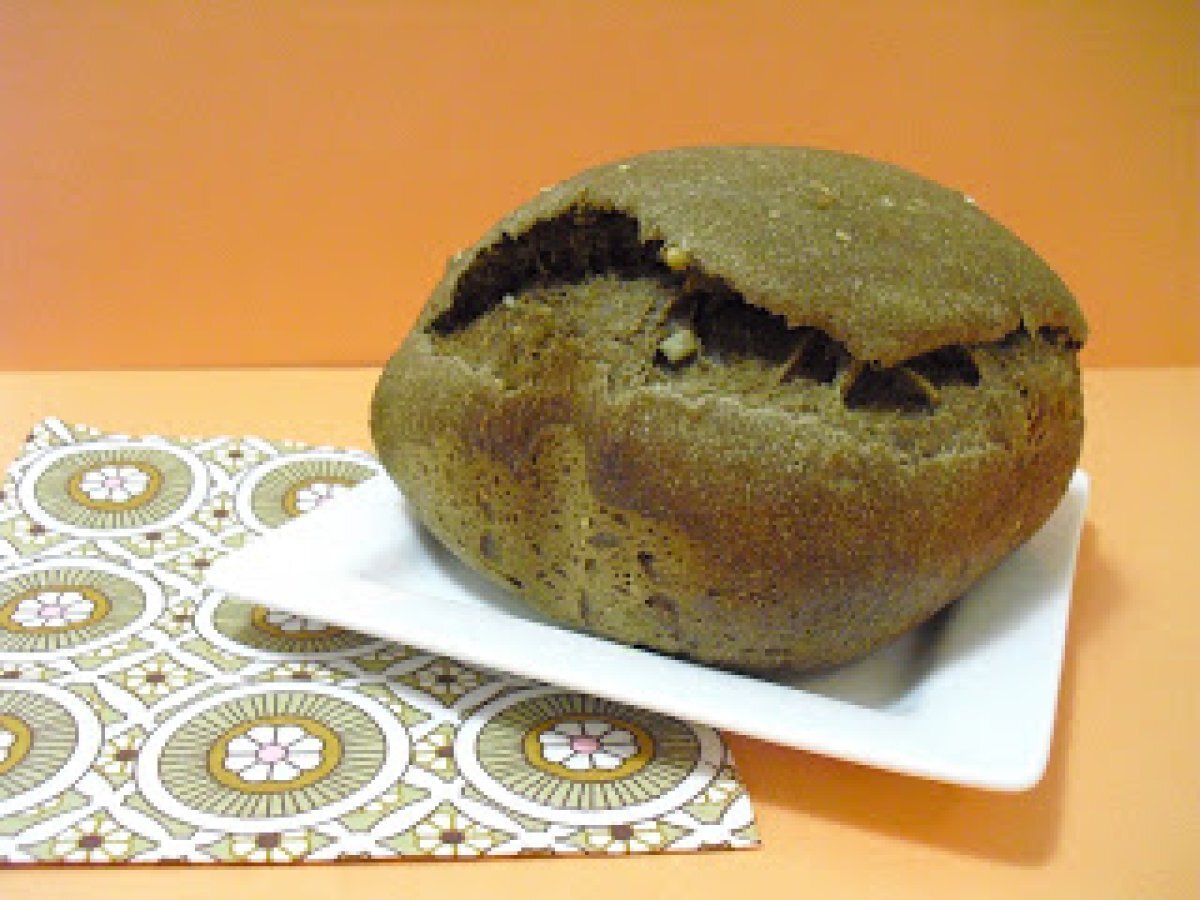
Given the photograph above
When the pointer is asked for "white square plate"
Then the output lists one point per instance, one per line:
(968, 698)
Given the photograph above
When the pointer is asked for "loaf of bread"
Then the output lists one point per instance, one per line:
(761, 407)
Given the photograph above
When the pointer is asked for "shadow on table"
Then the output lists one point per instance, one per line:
(1016, 828)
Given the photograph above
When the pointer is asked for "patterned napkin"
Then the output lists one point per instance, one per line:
(145, 717)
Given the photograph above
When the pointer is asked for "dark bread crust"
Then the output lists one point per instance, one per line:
(888, 263)
(714, 509)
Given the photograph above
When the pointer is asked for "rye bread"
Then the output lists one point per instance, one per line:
(756, 406)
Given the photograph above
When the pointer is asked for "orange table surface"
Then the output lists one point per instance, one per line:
(1116, 815)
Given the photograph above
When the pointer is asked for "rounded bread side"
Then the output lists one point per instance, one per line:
(735, 536)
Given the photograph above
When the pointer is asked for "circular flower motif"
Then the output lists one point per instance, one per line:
(50, 738)
(114, 484)
(587, 745)
(237, 626)
(241, 760)
(579, 747)
(275, 753)
(580, 760)
(113, 488)
(289, 623)
(58, 607)
(54, 609)
(292, 485)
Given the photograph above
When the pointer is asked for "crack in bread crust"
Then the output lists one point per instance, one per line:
(564, 282)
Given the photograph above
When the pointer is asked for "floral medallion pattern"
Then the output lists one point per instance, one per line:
(146, 717)
(603, 748)
(100, 488)
(247, 758)
(48, 739)
(272, 753)
(582, 760)
(292, 485)
(55, 608)
(250, 628)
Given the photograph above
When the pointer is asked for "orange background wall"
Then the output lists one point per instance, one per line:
(280, 182)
